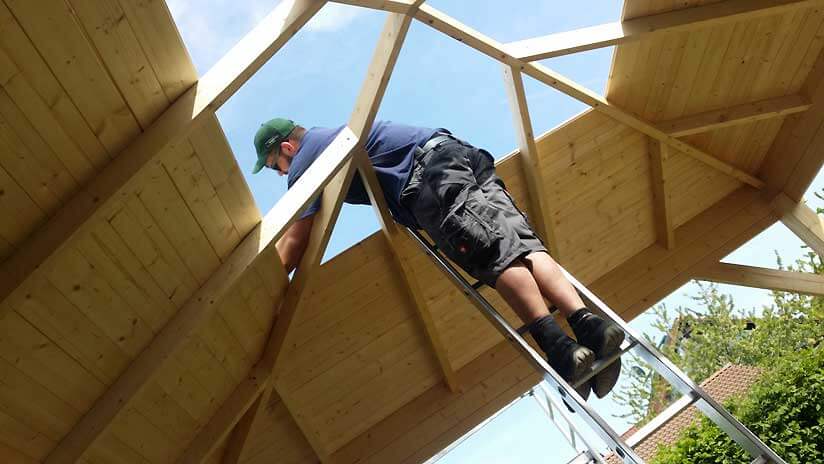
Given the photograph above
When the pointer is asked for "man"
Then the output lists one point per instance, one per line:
(436, 182)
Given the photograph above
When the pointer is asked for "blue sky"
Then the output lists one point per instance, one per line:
(437, 82)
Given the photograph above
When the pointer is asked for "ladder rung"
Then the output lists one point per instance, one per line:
(478, 284)
(729, 424)
(681, 382)
(582, 458)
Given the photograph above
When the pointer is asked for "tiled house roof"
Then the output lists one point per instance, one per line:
(728, 381)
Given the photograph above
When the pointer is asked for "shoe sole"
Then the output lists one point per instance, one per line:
(583, 366)
(605, 381)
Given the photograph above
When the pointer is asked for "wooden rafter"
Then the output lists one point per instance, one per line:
(168, 133)
(259, 381)
(241, 431)
(735, 115)
(394, 6)
(802, 220)
(795, 156)
(202, 305)
(643, 280)
(616, 33)
(122, 175)
(658, 159)
(360, 122)
(382, 64)
(530, 164)
(401, 260)
(759, 277)
(496, 50)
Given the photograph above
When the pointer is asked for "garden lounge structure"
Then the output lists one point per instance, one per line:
(145, 317)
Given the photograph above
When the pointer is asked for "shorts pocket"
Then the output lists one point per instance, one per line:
(469, 231)
(410, 192)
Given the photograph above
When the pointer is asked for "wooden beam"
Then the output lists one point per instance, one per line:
(394, 6)
(759, 277)
(242, 429)
(419, 429)
(616, 33)
(803, 221)
(385, 58)
(402, 262)
(363, 115)
(487, 46)
(246, 396)
(122, 175)
(796, 155)
(259, 380)
(659, 175)
(378, 74)
(735, 115)
(202, 305)
(530, 162)
(641, 281)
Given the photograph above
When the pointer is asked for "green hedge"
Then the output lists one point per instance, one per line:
(785, 409)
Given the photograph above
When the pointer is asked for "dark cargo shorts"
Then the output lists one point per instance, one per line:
(456, 197)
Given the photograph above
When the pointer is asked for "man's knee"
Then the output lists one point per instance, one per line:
(536, 256)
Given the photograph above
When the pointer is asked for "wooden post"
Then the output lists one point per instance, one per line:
(363, 115)
(659, 175)
(487, 46)
(529, 158)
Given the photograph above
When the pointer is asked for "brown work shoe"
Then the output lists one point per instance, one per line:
(569, 359)
(604, 338)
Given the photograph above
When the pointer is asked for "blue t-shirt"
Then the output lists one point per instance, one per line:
(391, 149)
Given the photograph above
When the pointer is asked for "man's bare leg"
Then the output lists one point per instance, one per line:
(552, 283)
(602, 337)
(519, 289)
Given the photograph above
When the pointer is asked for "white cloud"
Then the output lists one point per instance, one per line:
(211, 27)
(333, 17)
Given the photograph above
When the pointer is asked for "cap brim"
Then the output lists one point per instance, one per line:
(259, 165)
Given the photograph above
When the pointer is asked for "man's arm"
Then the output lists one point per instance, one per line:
(293, 243)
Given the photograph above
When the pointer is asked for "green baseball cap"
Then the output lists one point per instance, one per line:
(270, 134)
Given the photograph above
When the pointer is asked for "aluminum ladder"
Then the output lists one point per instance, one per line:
(760, 452)
(557, 414)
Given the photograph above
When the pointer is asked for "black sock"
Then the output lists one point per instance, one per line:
(576, 317)
(546, 332)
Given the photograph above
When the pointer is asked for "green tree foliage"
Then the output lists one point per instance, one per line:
(785, 409)
(702, 340)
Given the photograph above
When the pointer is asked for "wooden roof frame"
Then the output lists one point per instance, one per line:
(333, 172)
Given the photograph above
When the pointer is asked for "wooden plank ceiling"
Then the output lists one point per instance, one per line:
(82, 78)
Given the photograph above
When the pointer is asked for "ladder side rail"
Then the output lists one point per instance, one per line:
(596, 456)
(582, 458)
(547, 408)
(678, 379)
(440, 454)
(593, 420)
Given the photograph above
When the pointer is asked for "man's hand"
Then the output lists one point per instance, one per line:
(293, 243)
